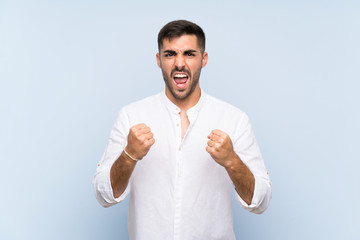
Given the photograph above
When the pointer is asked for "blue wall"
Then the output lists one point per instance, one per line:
(67, 67)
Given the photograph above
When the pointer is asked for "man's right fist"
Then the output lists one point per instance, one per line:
(140, 140)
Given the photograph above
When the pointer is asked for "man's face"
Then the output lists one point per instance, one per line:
(181, 61)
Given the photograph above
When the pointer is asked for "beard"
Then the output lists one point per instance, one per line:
(184, 93)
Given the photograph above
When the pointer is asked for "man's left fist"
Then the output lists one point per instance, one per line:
(220, 147)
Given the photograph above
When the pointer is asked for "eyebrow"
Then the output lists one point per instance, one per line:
(185, 52)
(169, 51)
(189, 51)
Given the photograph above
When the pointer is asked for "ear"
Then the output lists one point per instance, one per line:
(204, 59)
(158, 60)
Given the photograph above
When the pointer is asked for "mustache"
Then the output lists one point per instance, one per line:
(176, 69)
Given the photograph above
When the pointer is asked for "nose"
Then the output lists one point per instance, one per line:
(179, 61)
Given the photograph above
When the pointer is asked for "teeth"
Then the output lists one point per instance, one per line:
(180, 75)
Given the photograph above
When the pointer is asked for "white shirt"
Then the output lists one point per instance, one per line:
(178, 191)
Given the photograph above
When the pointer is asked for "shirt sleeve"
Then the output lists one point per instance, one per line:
(247, 148)
(115, 144)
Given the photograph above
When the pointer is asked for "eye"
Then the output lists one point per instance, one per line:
(169, 54)
(190, 54)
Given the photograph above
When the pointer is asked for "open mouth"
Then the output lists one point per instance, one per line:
(180, 80)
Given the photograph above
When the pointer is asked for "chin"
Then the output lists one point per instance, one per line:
(180, 94)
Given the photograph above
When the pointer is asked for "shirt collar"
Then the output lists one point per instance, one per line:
(193, 110)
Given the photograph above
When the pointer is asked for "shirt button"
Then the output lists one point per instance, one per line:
(177, 124)
(180, 148)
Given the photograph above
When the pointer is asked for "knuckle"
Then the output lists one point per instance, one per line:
(149, 144)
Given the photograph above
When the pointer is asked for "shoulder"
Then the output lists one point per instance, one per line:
(218, 106)
(144, 104)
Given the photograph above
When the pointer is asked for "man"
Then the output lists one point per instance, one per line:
(180, 184)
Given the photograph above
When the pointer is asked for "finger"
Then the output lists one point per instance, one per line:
(145, 129)
(140, 130)
(210, 149)
(215, 137)
(216, 146)
(217, 132)
(211, 143)
(148, 135)
(144, 137)
(139, 126)
(150, 142)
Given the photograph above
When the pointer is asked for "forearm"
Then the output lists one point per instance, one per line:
(242, 178)
(120, 174)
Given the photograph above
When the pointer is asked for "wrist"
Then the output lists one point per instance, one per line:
(232, 162)
(126, 160)
(131, 154)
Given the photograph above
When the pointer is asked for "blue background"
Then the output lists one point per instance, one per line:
(67, 67)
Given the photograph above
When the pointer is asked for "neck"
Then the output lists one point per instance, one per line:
(186, 103)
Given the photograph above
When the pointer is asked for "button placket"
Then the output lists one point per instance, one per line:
(178, 181)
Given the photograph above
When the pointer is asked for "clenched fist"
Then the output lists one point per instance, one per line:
(140, 140)
(220, 147)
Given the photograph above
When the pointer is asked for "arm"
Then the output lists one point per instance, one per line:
(221, 150)
(248, 173)
(242, 178)
(140, 139)
(102, 183)
(120, 173)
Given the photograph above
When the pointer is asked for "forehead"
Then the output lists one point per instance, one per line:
(184, 42)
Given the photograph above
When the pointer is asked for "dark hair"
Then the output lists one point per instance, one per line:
(179, 28)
